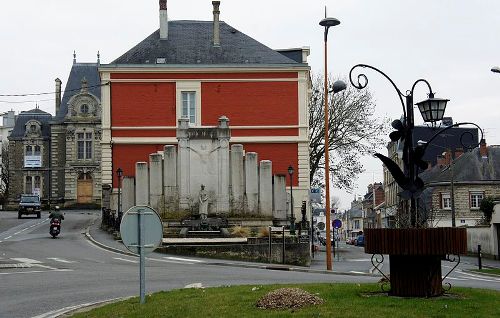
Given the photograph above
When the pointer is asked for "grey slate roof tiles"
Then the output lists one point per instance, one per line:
(78, 72)
(37, 114)
(190, 42)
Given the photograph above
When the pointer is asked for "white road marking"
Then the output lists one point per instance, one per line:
(478, 276)
(183, 259)
(358, 260)
(61, 260)
(455, 278)
(168, 261)
(32, 272)
(8, 237)
(126, 260)
(356, 272)
(26, 260)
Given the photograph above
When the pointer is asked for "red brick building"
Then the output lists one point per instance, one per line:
(204, 70)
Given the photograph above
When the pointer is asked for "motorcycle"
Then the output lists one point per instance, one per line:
(55, 227)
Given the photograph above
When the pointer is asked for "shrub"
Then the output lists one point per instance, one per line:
(263, 232)
(239, 231)
(487, 206)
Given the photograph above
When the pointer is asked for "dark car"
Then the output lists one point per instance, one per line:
(360, 240)
(29, 204)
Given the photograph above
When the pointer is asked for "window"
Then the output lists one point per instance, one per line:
(28, 151)
(84, 145)
(356, 224)
(37, 151)
(28, 188)
(84, 109)
(189, 106)
(33, 185)
(445, 201)
(475, 199)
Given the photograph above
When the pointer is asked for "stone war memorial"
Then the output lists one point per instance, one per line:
(206, 185)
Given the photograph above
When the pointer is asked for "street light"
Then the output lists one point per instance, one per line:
(327, 23)
(292, 217)
(432, 110)
(495, 69)
(119, 174)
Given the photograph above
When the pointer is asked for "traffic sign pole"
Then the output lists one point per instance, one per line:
(142, 268)
(141, 231)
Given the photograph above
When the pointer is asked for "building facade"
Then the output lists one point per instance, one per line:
(203, 70)
(75, 139)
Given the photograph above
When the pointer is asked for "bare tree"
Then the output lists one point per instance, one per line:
(354, 131)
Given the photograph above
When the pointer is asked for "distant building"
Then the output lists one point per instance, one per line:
(475, 176)
(29, 145)
(451, 139)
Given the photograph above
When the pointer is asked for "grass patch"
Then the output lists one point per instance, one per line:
(340, 300)
(493, 271)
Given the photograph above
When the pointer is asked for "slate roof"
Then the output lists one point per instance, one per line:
(468, 168)
(37, 114)
(190, 42)
(74, 83)
(448, 139)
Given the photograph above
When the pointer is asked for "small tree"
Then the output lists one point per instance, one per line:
(487, 206)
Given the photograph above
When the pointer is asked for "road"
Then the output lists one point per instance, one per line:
(40, 275)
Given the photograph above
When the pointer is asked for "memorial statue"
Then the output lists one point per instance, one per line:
(203, 201)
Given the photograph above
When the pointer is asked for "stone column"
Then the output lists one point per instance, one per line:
(280, 200)
(252, 182)
(170, 178)
(128, 193)
(156, 181)
(183, 164)
(223, 136)
(237, 179)
(142, 183)
(266, 188)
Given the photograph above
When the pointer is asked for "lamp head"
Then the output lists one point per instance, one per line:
(338, 86)
(290, 170)
(119, 172)
(329, 22)
(432, 109)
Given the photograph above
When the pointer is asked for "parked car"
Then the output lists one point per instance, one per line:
(360, 240)
(29, 204)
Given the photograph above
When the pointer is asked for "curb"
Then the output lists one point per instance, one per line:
(104, 246)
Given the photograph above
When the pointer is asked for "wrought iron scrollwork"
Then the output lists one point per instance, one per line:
(451, 259)
(376, 262)
(472, 146)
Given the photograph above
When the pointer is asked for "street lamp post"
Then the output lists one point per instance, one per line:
(327, 23)
(432, 110)
(417, 271)
(119, 174)
(292, 216)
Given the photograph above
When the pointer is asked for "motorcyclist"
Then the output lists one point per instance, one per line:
(56, 214)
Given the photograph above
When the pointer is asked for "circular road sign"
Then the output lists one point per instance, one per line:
(152, 227)
(337, 224)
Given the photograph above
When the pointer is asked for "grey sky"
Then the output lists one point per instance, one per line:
(451, 43)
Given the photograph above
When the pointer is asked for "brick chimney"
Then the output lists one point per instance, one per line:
(483, 149)
(163, 20)
(58, 95)
(216, 38)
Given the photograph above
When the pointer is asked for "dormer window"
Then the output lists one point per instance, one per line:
(33, 128)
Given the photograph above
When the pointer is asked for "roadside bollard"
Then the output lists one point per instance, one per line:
(479, 257)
